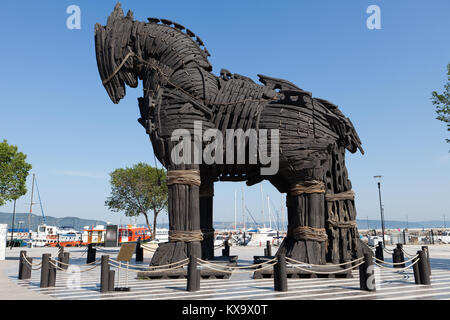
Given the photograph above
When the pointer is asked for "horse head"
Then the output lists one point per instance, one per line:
(116, 60)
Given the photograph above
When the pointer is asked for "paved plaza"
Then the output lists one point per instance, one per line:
(391, 284)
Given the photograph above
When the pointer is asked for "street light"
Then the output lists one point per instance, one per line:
(381, 207)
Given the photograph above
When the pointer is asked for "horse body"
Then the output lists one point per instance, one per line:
(180, 89)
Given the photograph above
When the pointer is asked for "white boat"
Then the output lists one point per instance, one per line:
(444, 237)
(51, 236)
(261, 237)
(219, 240)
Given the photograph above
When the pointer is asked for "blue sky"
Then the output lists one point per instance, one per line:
(53, 106)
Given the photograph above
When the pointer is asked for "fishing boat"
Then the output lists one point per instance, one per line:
(52, 236)
(132, 233)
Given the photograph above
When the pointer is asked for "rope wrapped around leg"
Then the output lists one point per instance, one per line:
(312, 186)
(185, 236)
(191, 177)
(307, 233)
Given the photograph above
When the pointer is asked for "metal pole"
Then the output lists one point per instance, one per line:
(12, 229)
(382, 213)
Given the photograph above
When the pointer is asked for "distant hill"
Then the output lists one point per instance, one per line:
(76, 223)
(362, 224)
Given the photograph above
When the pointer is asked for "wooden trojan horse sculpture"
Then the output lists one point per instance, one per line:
(179, 89)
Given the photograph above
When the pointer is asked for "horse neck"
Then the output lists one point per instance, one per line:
(168, 46)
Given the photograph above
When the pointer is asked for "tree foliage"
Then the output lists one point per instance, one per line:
(442, 102)
(13, 173)
(138, 190)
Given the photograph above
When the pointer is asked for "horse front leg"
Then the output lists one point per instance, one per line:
(185, 235)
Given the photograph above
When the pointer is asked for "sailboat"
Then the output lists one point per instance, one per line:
(262, 235)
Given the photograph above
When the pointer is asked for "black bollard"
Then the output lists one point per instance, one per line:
(61, 256)
(193, 279)
(22, 262)
(111, 275)
(104, 274)
(26, 268)
(367, 274)
(226, 251)
(91, 254)
(244, 244)
(139, 252)
(45, 267)
(66, 260)
(280, 274)
(423, 268)
(425, 249)
(51, 275)
(416, 270)
(269, 248)
(379, 251)
(398, 256)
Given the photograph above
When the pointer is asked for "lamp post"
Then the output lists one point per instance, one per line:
(381, 207)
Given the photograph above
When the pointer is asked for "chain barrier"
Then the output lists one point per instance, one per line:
(31, 264)
(328, 272)
(407, 254)
(253, 266)
(236, 270)
(152, 267)
(53, 261)
(396, 263)
(323, 265)
(147, 271)
(388, 251)
(397, 269)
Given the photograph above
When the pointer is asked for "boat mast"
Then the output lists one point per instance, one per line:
(243, 209)
(235, 209)
(31, 207)
(262, 206)
(270, 212)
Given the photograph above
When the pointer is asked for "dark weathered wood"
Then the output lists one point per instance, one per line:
(367, 274)
(104, 274)
(179, 88)
(45, 267)
(424, 271)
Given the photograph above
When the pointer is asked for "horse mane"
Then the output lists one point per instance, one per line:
(182, 29)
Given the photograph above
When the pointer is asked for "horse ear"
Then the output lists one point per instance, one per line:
(118, 12)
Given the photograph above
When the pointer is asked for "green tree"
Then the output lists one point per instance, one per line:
(138, 190)
(442, 102)
(13, 173)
